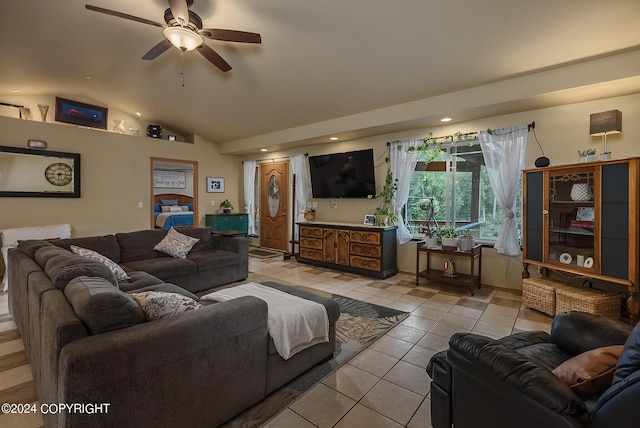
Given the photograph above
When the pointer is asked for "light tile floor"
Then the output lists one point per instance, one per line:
(386, 385)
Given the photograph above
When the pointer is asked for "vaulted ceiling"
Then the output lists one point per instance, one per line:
(350, 67)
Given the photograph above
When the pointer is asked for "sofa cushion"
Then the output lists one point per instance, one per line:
(101, 306)
(590, 373)
(65, 266)
(119, 273)
(106, 245)
(159, 304)
(176, 244)
(139, 245)
(629, 361)
(164, 267)
(137, 280)
(167, 288)
(213, 259)
(205, 236)
(31, 246)
(43, 253)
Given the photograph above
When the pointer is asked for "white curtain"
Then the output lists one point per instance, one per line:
(403, 162)
(299, 168)
(250, 193)
(504, 153)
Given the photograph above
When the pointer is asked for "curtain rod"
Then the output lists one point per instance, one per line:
(530, 126)
(274, 159)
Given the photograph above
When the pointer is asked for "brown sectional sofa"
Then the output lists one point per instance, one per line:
(198, 368)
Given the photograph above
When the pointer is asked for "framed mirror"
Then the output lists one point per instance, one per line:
(39, 173)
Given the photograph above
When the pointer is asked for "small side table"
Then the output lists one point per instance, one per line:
(471, 279)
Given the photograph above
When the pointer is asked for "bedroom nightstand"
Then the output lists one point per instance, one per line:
(228, 222)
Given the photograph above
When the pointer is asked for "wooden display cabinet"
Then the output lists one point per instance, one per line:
(583, 219)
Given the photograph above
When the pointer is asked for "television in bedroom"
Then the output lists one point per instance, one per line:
(343, 175)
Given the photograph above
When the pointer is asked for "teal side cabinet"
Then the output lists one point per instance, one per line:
(224, 222)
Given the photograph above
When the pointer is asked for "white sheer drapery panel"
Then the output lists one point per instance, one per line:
(403, 163)
(299, 168)
(250, 193)
(504, 152)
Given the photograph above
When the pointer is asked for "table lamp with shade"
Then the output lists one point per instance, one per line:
(604, 123)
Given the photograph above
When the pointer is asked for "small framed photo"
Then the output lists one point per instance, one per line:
(82, 114)
(370, 219)
(215, 185)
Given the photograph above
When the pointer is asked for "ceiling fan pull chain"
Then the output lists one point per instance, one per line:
(182, 69)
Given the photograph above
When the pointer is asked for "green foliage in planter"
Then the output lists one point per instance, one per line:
(386, 196)
(587, 152)
(226, 204)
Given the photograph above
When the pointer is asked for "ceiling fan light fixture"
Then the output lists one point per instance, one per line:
(183, 38)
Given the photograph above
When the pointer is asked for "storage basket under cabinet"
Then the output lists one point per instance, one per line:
(587, 300)
(540, 294)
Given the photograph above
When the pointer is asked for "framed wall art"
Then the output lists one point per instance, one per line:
(82, 114)
(215, 185)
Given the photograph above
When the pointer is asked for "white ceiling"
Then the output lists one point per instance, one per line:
(319, 61)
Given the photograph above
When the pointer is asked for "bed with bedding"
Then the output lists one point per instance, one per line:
(172, 210)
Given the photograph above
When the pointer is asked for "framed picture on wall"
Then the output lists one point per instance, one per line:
(82, 114)
(215, 185)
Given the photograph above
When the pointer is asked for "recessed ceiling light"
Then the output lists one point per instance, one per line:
(88, 77)
(445, 119)
(334, 138)
(16, 90)
(264, 150)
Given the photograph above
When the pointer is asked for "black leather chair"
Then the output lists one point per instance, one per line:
(508, 382)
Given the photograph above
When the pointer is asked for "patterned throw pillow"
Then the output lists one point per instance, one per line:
(176, 244)
(160, 304)
(120, 274)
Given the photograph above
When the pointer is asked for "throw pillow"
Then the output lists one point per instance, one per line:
(120, 274)
(590, 373)
(176, 244)
(159, 304)
(175, 209)
(169, 201)
(101, 306)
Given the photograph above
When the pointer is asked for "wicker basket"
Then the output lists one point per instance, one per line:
(540, 294)
(588, 300)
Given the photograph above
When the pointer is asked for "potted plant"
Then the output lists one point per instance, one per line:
(310, 214)
(430, 236)
(587, 155)
(465, 240)
(605, 156)
(226, 206)
(449, 237)
(384, 213)
(427, 208)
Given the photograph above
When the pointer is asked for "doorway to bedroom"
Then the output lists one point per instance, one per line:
(174, 190)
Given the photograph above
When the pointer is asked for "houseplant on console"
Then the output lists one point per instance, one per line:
(384, 212)
(226, 206)
(310, 214)
(449, 237)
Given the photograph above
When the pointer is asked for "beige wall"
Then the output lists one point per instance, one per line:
(115, 176)
(561, 131)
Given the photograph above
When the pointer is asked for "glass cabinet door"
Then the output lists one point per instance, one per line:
(573, 218)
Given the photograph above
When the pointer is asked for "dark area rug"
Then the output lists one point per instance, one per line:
(265, 253)
(360, 324)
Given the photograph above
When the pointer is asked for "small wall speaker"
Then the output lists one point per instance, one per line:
(37, 144)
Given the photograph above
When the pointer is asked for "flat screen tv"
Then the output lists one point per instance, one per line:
(343, 175)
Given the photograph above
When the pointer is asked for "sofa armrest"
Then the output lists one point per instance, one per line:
(236, 244)
(578, 332)
(474, 354)
(198, 368)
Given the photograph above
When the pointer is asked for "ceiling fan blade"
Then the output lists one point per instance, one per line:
(213, 57)
(180, 11)
(231, 35)
(123, 15)
(158, 49)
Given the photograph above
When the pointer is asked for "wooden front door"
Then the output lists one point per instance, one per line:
(274, 205)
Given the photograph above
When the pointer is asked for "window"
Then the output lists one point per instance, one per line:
(455, 179)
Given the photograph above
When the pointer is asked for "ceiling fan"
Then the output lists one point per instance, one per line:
(183, 29)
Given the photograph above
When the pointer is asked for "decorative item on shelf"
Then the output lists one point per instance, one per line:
(430, 236)
(581, 257)
(449, 237)
(603, 124)
(310, 214)
(134, 132)
(154, 131)
(384, 213)
(81, 114)
(25, 113)
(565, 258)
(465, 240)
(226, 206)
(44, 108)
(581, 192)
(449, 269)
(587, 155)
(118, 126)
(588, 262)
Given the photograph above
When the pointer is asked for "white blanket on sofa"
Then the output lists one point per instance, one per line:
(294, 323)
